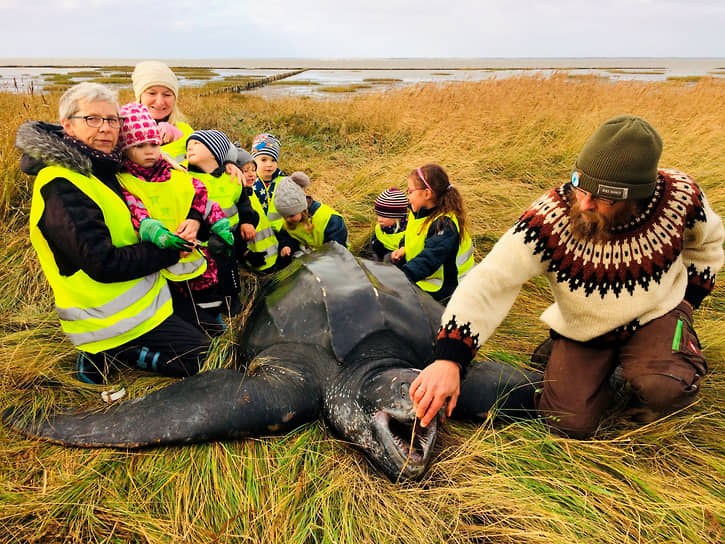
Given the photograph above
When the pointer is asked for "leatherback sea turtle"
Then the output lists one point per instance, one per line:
(333, 335)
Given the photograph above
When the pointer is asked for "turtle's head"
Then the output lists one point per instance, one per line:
(373, 410)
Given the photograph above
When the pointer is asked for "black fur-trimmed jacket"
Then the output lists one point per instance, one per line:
(72, 223)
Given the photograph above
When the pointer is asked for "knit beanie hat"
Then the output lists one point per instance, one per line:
(266, 144)
(138, 126)
(150, 73)
(243, 157)
(391, 203)
(289, 196)
(619, 161)
(216, 141)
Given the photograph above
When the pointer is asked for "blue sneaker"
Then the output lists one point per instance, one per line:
(87, 371)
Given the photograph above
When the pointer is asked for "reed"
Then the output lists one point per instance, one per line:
(503, 143)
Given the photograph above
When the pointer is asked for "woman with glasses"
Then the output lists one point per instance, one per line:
(112, 301)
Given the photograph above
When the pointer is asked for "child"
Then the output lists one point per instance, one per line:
(207, 151)
(307, 223)
(391, 207)
(163, 200)
(265, 151)
(263, 249)
(437, 250)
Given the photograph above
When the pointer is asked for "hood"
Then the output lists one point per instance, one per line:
(43, 145)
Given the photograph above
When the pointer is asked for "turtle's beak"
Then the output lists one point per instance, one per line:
(408, 445)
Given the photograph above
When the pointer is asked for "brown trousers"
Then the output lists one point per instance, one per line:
(662, 362)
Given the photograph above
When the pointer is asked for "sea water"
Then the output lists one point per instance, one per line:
(324, 76)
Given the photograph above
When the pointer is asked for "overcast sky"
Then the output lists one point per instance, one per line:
(369, 28)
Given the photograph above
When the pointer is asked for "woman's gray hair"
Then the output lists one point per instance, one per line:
(88, 92)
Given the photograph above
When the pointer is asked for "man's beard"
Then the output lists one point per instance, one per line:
(591, 226)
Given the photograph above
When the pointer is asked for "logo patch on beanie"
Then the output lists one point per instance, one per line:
(575, 178)
(608, 191)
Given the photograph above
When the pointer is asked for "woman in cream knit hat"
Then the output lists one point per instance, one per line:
(156, 87)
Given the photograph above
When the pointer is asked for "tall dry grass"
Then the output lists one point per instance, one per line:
(503, 142)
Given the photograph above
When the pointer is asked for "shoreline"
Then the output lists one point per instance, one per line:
(692, 65)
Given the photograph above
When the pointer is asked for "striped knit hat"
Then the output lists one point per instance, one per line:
(216, 141)
(391, 203)
(266, 144)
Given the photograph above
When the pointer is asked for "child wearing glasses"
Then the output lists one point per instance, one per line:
(307, 224)
(168, 207)
(437, 250)
(391, 209)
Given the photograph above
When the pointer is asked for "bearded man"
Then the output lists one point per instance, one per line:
(628, 251)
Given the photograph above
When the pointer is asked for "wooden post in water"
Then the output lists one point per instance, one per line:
(254, 84)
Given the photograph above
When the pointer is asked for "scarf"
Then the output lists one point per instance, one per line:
(159, 172)
(102, 162)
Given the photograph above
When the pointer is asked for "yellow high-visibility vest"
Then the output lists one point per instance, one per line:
(319, 220)
(265, 239)
(169, 202)
(391, 242)
(177, 149)
(272, 214)
(415, 236)
(224, 191)
(99, 316)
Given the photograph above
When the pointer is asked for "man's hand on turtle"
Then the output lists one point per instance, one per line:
(438, 385)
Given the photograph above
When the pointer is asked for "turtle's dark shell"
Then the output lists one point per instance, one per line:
(334, 300)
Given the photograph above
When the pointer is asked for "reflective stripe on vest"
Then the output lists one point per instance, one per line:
(415, 236)
(265, 240)
(99, 316)
(391, 242)
(169, 201)
(273, 215)
(224, 192)
(177, 149)
(115, 328)
(315, 238)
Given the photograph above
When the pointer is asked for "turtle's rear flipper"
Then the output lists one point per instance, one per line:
(505, 389)
(213, 405)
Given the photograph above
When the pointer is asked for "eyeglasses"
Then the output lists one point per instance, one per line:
(96, 121)
(411, 191)
(583, 194)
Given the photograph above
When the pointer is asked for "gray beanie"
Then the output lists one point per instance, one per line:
(619, 161)
(289, 195)
(243, 156)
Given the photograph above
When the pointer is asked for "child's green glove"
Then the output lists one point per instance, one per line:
(222, 228)
(152, 230)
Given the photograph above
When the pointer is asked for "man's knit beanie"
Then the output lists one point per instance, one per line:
(391, 203)
(217, 142)
(151, 73)
(289, 195)
(619, 161)
(138, 126)
(266, 144)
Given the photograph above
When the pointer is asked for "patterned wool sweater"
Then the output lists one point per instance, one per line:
(602, 291)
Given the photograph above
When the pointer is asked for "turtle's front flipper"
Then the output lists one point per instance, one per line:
(213, 405)
(490, 385)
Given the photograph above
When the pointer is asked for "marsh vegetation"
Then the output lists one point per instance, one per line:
(503, 143)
